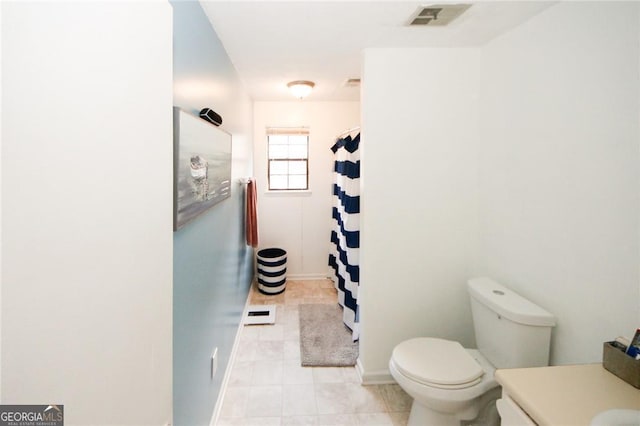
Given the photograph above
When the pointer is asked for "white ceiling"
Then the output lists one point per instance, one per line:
(274, 42)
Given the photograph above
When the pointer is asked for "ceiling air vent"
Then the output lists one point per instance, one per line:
(437, 14)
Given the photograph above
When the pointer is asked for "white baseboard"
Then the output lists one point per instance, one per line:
(232, 357)
(380, 377)
(307, 277)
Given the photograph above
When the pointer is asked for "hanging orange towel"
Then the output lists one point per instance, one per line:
(252, 214)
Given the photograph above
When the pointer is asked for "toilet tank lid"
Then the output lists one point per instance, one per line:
(509, 304)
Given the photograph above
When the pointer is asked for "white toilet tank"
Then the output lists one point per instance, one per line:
(510, 330)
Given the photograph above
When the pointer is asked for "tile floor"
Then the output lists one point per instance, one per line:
(268, 386)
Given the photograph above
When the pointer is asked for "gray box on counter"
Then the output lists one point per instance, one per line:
(621, 364)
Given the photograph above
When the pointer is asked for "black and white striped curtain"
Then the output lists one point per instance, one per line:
(345, 236)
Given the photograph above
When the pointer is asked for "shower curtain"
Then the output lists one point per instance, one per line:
(345, 235)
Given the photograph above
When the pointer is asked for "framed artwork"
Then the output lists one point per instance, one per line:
(201, 166)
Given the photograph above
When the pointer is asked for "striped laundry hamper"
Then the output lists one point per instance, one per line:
(272, 269)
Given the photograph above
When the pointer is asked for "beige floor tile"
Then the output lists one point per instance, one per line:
(365, 399)
(272, 332)
(295, 374)
(241, 374)
(235, 402)
(246, 350)
(299, 421)
(267, 385)
(328, 375)
(267, 350)
(250, 332)
(374, 419)
(294, 289)
(318, 300)
(337, 420)
(349, 398)
(292, 350)
(251, 421)
(291, 307)
(280, 309)
(400, 419)
(298, 400)
(290, 313)
(327, 284)
(333, 398)
(294, 299)
(289, 316)
(314, 291)
(229, 422)
(257, 298)
(395, 398)
(276, 299)
(264, 401)
(350, 375)
(291, 331)
(323, 293)
(267, 373)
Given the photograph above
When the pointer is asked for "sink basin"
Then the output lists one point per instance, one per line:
(617, 417)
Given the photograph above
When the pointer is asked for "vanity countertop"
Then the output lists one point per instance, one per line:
(567, 394)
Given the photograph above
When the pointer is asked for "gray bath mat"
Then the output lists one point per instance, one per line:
(324, 339)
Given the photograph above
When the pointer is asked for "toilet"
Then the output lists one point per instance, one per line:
(450, 384)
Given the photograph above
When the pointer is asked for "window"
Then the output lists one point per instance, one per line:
(288, 157)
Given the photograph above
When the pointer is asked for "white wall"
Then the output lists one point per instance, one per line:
(418, 231)
(0, 203)
(87, 223)
(559, 170)
(300, 222)
(530, 144)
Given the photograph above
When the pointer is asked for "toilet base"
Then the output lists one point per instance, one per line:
(484, 413)
(422, 416)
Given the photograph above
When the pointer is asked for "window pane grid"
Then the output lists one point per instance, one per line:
(288, 161)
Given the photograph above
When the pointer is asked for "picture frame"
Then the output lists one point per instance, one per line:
(201, 166)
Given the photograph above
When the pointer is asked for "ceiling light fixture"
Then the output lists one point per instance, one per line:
(301, 88)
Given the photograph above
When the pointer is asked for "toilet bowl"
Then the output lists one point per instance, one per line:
(450, 384)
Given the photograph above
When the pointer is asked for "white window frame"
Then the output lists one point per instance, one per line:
(287, 131)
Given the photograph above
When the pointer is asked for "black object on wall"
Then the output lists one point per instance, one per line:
(211, 116)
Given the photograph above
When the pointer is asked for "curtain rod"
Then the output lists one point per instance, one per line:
(298, 130)
(346, 132)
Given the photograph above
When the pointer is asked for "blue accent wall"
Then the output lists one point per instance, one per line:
(213, 267)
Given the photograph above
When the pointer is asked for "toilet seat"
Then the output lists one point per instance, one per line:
(439, 363)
